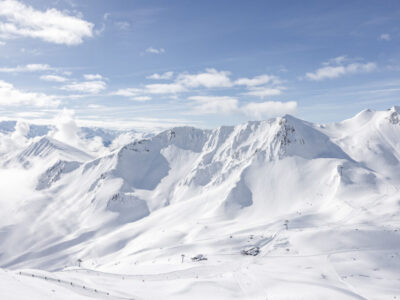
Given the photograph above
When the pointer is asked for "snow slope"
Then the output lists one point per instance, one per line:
(319, 202)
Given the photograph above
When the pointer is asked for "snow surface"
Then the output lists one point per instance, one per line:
(319, 202)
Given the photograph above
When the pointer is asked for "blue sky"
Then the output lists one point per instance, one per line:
(206, 63)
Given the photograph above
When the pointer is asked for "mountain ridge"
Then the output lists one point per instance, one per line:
(285, 187)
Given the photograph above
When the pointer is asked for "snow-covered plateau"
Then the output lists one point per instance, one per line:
(275, 209)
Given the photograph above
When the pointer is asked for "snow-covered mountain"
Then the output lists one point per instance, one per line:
(50, 149)
(107, 135)
(318, 206)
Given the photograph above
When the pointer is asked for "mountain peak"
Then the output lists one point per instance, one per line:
(48, 146)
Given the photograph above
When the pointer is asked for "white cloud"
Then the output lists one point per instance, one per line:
(385, 37)
(133, 94)
(68, 131)
(95, 106)
(55, 78)
(52, 25)
(129, 92)
(91, 87)
(337, 67)
(163, 76)
(93, 77)
(141, 98)
(123, 25)
(10, 96)
(21, 129)
(263, 92)
(263, 110)
(214, 104)
(336, 60)
(258, 80)
(326, 72)
(209, 79)
(139, 94)
(15, 140)
(260, 86)
(360, 67)
(66, 128)
(165, 88)
(155, 50)
(2, 43)
(27, 68)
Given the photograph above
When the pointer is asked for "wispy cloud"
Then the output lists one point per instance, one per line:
(340, 66)
(164, 88)
(163, 76)
(106, 16)
(141, 98)
(123, 25)
(262, 110)
(27, 68)
(212, 78)
(93, 77)
(261, 86)
(52, 25)
(214, 104)
(54, 78)
(133, 94)
(90, 87)
(263, 92)
(128, 92)
(258, 80)
(155, 50)
(385, 37)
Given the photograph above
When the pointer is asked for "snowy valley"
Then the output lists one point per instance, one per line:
(274, 209)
